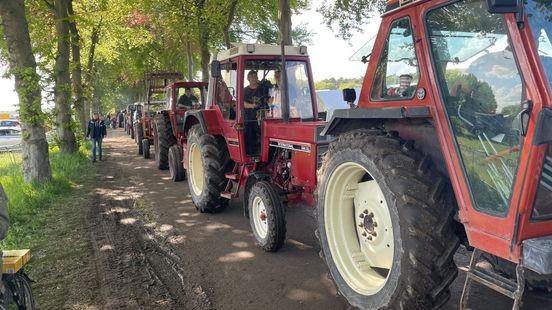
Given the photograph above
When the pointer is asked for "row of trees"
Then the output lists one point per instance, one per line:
(93, 54)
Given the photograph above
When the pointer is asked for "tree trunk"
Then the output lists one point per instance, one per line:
(190, 57)
(62, 88)
(77, 69)
(205, 55)
(229, 19)
(36, 163)
(88, 106)
(284, 21)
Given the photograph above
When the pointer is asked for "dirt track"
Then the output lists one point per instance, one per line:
(152, 249)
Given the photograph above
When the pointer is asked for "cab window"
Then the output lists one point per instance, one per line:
(226, 86)
(397, 73)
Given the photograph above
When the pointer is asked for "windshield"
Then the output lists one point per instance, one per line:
(269, 96)
(540, 19)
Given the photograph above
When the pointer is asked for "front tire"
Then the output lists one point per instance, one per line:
(18, 291)
(208, 162)
(176, 169)
(267, 216)
(139, 137)
(385, 223)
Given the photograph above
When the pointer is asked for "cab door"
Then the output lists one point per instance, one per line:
(485, 99)
(226, 94)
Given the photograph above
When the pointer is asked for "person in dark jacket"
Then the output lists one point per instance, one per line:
(96, 132)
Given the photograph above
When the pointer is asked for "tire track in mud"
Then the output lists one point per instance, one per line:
(134, 266)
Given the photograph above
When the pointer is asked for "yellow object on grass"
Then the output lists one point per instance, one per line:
(13, 260)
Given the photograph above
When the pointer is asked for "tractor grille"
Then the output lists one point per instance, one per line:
(543, 208)
(320, 152)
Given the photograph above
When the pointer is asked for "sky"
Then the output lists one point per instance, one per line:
(329, 55)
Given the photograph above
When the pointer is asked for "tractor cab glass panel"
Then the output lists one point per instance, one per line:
(267, 91)
(397, 73)
(225, 91)
(482, 92)
(189, 98)
(540, 19)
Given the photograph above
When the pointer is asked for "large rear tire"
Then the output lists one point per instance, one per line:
(146, 148)
(208, 162)
(385, 223)
(267, 216)
(176, 169)
(163, 140)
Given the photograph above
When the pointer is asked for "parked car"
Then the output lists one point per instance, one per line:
(10, 136)
(9, 123)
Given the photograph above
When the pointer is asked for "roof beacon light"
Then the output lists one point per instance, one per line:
(250, 48)
(303, 50)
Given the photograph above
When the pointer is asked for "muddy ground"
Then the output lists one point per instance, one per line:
(150, 249)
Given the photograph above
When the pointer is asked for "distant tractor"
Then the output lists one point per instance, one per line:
(156, 83)
(129, 118)
(181, 98)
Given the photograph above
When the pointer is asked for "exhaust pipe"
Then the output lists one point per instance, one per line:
(284, 86)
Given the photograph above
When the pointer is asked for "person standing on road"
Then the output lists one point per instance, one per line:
(96, 132)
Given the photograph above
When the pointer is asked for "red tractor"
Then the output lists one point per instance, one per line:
(143, 125)
(449, 145)
(168, 129)
(156, 84)
(246, 141)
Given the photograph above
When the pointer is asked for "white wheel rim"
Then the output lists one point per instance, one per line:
(195, 167)
(358, 228)
(259, 214)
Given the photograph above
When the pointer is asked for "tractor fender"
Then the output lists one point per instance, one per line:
(346, 119)
(207, 120)
(253, 177)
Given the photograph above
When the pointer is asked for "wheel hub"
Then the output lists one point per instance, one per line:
(368, 225)
(262, 216)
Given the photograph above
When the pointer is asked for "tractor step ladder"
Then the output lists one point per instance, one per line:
(494, 281)
(233, 186)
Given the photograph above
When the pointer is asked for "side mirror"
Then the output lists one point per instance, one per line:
(349, 95)
(215, 69)
(504, 6)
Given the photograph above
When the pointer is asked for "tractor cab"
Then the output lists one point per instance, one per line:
(476, 77)
(181, 97)
(264, 99)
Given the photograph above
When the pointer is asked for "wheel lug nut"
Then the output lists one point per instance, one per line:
(374, 234)
(360, 225)
(370, 238)
(375, 224)
(365, 211)
(364, 235)
(361, 215)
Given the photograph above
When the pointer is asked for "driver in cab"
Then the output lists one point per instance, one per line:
(188, 100)
(252, 102)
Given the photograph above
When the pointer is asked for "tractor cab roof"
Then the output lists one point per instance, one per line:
(241, 49)
(393, 5)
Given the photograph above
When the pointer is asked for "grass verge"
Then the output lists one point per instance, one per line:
(49, 219)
